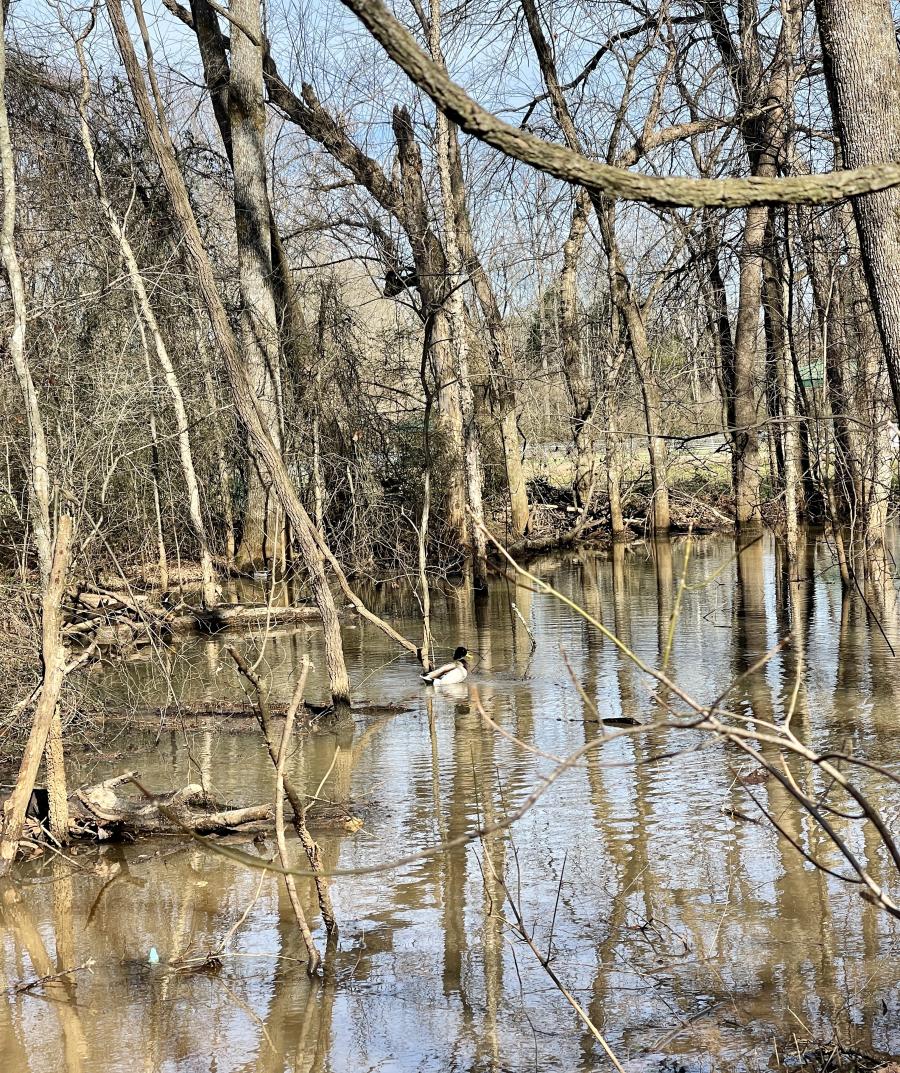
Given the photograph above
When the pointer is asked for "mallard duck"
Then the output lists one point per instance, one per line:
(451, 673)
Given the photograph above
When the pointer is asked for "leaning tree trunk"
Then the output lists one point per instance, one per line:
(263, 447)
(148, 318)
(862, 66)
(259, 320)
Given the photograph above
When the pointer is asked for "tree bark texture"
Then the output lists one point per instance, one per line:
(259, 320)
(863, 69)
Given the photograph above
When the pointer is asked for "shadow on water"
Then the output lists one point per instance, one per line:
(695, 937)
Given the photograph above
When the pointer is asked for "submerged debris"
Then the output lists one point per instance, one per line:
(837, 1058)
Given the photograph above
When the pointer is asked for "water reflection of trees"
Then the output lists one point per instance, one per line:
(665, 896)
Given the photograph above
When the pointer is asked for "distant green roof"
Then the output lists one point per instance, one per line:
(812, 372)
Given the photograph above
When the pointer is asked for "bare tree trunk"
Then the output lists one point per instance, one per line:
(318, 481)
(259, 320)
(828, 302)
(431, 272)
(786, 426)
(614, 476)
(264, 449)
(162, 557)
(45, 712)
(633, 318)
(580, 388)
(620, 285)
(223, 468)
(450, 411)
(502, 384)
(39, 476)
(741, 378)
(53, 554)
(455, 319)
(195, 510)
(427, 649)
(862, 66)
(763, 97)
(57, 788)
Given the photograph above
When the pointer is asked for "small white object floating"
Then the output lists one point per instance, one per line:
(451, 673)
(153, 956)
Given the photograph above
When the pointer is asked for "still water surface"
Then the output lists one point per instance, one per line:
(694, 937)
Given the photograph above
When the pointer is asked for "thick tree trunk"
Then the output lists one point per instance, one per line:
(57, 785)
(502, 385)
(455, 319)
(263, 447)
(261, 533)
(863, 68)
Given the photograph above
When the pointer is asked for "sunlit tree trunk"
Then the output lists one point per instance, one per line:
(259, 320)
(502, 385)
(762, 96)
(263, 447)
(862, 65)
(455, 319)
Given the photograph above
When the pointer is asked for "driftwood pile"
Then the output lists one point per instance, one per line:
(107, 618)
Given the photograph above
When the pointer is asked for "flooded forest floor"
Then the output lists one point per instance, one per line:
(648, 875)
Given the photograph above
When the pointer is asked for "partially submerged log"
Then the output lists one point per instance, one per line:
(103, 808)
(104, 812)
(121, 619)
(240, 615)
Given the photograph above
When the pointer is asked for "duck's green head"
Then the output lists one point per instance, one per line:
(460, 654)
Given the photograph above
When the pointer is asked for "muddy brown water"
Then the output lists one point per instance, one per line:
(694, 938)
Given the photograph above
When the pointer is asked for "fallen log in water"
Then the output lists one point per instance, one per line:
(113, 618)
(237, 615)
(103, 808)
(104, 812)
